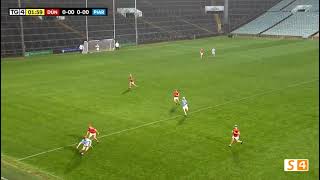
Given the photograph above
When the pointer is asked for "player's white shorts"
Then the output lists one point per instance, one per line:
(92, 134)
(85, 148)
(175, 98)
(235, 138)
(185, 108)
(201, 54)
(213, 53)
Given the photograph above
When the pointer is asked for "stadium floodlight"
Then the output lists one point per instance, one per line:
(98, 45)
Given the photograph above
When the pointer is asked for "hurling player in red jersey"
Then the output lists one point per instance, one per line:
(201, 52)
(92, 132)
(131, 81)
(176, 95)
(235, 135)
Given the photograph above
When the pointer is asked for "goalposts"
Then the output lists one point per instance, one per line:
(101, 45)
(90, 46)
(98, 46)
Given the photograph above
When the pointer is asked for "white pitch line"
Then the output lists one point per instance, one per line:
(201, 109)
(47, 173)
(41, 153)
(3, 178)
(143, 125)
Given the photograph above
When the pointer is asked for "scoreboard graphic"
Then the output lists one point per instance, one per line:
(58, 11)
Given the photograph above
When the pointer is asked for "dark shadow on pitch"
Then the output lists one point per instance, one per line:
(75, 160)
(182, 120)
(235, 155)
(173, 109)
(126, 91)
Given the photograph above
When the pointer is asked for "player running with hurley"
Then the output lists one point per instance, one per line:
(131, 81)
(201, 52)
(176, 95)
(235, 135)
(86, 142)
(185, 106)
(92, 132)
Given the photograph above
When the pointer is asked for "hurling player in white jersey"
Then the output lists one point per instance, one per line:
(213, 51)
(86, 142)
(184, 106)
(97, 47)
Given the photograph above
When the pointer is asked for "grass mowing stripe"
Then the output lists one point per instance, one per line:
(199, 110)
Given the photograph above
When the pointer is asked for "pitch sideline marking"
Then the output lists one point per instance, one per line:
(201, 109)
(12, 165)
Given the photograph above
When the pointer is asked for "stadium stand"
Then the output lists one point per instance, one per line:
(284, 19)
(243, 11)
(280, 5)
(300, 24)
(314, 3)
(161, 21)
(316, 36)
(262, 23)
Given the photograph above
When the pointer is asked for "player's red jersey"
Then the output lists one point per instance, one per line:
(235, 132)
(92, 130)
(176, 94)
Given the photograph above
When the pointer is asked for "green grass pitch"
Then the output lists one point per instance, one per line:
(268, 87)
